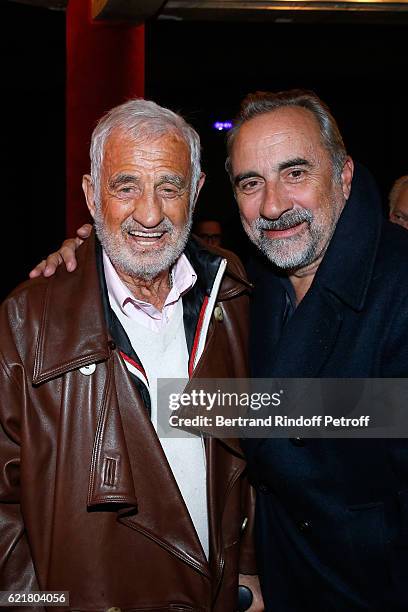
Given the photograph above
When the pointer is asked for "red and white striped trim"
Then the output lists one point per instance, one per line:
(205, 319)
(197, 336)
(135, 368)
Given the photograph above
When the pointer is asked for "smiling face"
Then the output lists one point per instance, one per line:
(283, 180)
(144, 217)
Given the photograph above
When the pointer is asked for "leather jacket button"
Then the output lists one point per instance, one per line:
(112, 346)
(88, 369)
(218, 314)
(304, 526)
(244, 524)
(298, 441)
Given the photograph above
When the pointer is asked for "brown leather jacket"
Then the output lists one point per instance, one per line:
(87, 502)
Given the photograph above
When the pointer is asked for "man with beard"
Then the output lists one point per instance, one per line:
(330, 300)
(91, 500)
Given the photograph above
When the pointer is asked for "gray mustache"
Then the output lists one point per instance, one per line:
(286, 221)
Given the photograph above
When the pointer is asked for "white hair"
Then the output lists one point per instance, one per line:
(143, 119)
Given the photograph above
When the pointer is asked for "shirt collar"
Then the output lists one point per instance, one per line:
(183, 279)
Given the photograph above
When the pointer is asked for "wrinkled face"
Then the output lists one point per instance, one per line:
(144, 217)
(283, 181)
(399, 213)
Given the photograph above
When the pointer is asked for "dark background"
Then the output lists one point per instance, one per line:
(202, 69)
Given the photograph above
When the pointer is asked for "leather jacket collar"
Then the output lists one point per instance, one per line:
(76, 296)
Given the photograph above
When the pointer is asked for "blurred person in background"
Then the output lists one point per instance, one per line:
(398, 202)
(208, 230)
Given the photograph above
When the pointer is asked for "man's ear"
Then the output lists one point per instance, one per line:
(347, 177)
(88, 189)
(200, 183)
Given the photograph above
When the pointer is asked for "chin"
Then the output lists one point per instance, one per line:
(146, 265)
(288, 259)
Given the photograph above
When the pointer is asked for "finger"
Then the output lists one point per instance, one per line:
(66, 255)
(84, 231)
(257, 602)
(257, 605)
(38, 270)
(51, 263)
(252, 582)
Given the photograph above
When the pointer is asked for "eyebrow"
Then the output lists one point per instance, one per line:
(174, 179)
(296, 161)
(121, 179)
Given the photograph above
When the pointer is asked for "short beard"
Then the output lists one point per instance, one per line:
(142, 265)
(297, 251)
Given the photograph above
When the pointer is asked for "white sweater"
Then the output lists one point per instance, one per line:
(164, 354)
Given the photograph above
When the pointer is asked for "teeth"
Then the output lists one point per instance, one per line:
(147, 234)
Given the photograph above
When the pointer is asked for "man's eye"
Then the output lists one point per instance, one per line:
(126, 190)
(249, 186)
(296, 174)
(169, 191)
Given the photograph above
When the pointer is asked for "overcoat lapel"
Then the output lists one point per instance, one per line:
(267, 309)
(303, 348)
(300, 347)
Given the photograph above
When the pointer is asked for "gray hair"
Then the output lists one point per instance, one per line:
(143, 119)
(396, 190)
(261, 102)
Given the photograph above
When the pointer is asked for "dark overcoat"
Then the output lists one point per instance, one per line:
(332, 514)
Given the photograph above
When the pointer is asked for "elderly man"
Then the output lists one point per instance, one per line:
(398, 202)
(91, 500)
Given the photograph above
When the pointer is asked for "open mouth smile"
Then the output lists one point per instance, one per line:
(147, 238)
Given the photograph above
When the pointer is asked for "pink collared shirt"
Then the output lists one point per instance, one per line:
(146, 314)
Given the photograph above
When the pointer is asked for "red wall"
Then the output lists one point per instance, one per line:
(105, 66)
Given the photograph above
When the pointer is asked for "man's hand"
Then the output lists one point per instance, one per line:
(65, 254)
(252, 582)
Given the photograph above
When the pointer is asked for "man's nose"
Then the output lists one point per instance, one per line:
(148, 210)
(275, 201)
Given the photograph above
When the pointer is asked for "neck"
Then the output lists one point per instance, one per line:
(154, 291)
(302, 279)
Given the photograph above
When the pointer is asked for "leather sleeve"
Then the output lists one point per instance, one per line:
(247, 562)
(16, 565)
